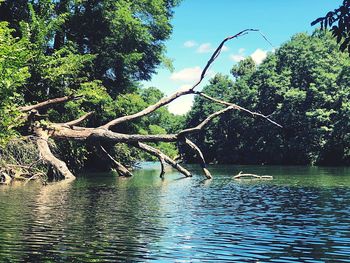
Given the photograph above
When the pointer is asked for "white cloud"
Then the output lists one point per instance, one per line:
(183, 104)
(190, 43)
(225, 48)
(187, 74)
(258, 56)
(237, 57)
(241, 50)
(205, 48)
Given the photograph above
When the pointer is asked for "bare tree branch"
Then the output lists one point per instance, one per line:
(237, 107)
(155, 152)
(49, 158)
(218, 51)
(47, 103)
(177, 94)
(80, 133)
(121, 169)
(79, 120)
(162, 167)
(201, 125)
(200, 156)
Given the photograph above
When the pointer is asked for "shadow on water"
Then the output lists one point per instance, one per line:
(303, 215)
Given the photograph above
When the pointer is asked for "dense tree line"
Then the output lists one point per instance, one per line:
(99, 49)
(304, 85)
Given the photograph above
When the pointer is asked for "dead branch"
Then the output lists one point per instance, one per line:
(121, 169)
(162, 167)
(155, 152)
(177, 94)
(79, 120)
(237, 107)
(201, 125)
(200, 156)
(47, 103)
(249, 176)
(218, 51)
(49, 158)
(98, 134)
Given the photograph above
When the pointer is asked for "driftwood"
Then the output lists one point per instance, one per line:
(20, 161)
(10, 173)
(252, 176)
(104, 134)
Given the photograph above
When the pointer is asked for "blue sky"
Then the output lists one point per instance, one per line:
(200, 25)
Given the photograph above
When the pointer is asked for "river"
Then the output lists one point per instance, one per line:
(302, 215)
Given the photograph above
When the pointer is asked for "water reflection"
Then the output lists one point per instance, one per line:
(300, 216)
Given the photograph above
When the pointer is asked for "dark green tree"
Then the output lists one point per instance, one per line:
(13, 74)
(125, 37)
(243, 68)
(95, 48)
(304, 87)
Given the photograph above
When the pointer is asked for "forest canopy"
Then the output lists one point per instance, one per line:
(98, 49)
(304, 86)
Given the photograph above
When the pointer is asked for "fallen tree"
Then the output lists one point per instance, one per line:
(45, 130)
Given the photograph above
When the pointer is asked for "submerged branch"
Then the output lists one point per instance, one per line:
(249, 176)
(161, 156)
(200, 156)
(121, 169)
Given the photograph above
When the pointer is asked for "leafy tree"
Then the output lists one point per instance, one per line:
(243, 68)
(95, 48)
(304, 87)
(13, 73)
(126, 37)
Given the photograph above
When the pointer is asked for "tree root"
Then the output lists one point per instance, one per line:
(10, 173)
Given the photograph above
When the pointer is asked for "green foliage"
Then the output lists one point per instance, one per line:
(95, 48)
(13, 74)
(243, 68)
(304, 86)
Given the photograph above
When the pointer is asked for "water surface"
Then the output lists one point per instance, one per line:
(302, 215)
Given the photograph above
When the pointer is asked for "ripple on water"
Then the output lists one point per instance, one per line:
(144, 219)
